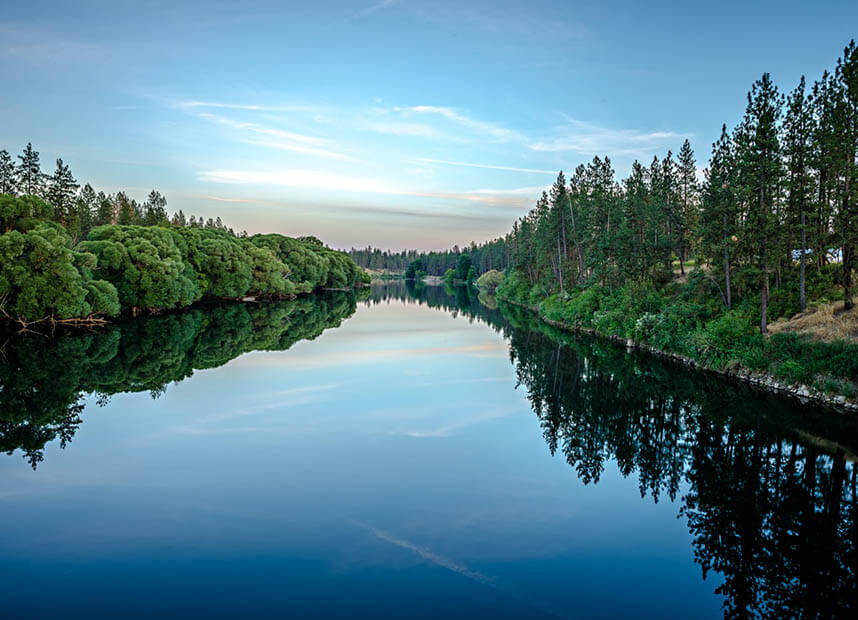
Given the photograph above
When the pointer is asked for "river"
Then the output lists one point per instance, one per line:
(409, 452)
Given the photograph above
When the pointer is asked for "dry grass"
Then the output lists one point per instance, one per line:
(827, 323)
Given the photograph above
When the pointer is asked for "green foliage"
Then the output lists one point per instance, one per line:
(44, 379)
(463, 268)
(414, 268)
(269, 275)
(449, 276)
(144, 264)
(21, 212)
(134, 251)
(490, 280)
(226, 267)
(309, 267)
(42, 277)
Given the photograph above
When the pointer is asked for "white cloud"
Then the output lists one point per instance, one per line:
(485, 166)
(382, 4)
(491, 130)
(283, 140)
(517, 191)
(319, 179)
(419, 130)
(590, 139)
(303, 178)
(192, 104)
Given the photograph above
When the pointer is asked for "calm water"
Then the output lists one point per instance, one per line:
(411, 454)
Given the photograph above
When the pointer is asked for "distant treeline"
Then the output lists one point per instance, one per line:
(70, 253)
(494, 254)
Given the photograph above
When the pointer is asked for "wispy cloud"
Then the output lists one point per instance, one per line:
(320, 179)
(398, 128)
(253, 107)
(382, 4)
(303, 178)
(33, 45)
(361, 210)
(278, 138)
(486, 129)
(429, 556)
(484, 166)
(533, 190)
(585, 138)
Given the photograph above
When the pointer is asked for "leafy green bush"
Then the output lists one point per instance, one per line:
(145, 265)
(41, 277)
(490, 280)
(791, 371)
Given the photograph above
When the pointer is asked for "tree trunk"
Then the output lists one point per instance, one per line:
(577, 243)
(727, 272)
(848, 249)
(847, 252)
(764, 294)
(802, 300)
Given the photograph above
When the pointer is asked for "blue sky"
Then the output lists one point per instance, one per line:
(394, 123)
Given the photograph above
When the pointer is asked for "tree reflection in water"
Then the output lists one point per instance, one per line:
(766, 486)
(43, 380)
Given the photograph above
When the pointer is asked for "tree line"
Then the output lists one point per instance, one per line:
(70, 253)
(778, 204)
(492, 254)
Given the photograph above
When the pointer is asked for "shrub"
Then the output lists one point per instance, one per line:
(145, 265)
(490, 280)
(41, 277)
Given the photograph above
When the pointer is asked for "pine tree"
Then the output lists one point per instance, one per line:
(126, 209)
(671, 206)
(634, 252)
(104, 209)
(576, 185)
(155, 209)
(559, 198)
(83, 214)
(62, 188)
(798, 130)
(688, 195)
(823, 140)
(7, 174)
(29, 174)
(718, 218)
(760, 172)
(845, 162)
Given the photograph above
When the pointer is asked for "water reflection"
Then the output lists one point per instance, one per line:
(766, 487)
(771, 499)
(44, 378)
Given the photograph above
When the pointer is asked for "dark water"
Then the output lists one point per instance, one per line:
(410, 454)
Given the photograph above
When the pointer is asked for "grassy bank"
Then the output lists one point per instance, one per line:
(675, 320)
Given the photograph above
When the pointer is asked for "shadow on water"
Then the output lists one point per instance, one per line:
(767, 487)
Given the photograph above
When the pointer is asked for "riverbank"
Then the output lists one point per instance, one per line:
(9, 327)
(758, 378)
